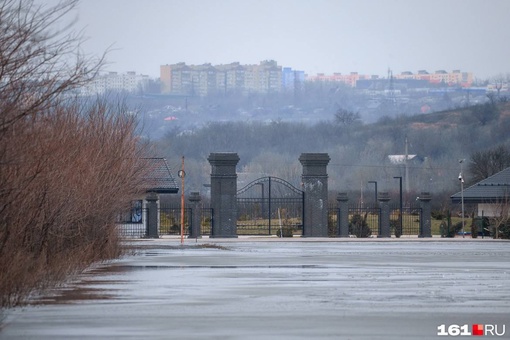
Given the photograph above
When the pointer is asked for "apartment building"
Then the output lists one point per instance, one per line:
(113, 81)
(348, 79)
(454, 78)
(292, 80)
(206, 79)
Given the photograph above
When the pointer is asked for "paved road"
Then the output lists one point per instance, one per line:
(240, 289)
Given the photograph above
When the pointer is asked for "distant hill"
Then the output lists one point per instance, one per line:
(359, 152)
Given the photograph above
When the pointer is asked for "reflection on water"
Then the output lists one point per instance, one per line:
(102, 283)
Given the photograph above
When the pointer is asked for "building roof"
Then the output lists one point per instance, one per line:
(159, 179)
(495, 188)
(401, 159)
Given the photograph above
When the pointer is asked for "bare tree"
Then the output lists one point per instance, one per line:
(486, 163)
(346, 117)
(67, 168)
(38, 62)
(499, 209)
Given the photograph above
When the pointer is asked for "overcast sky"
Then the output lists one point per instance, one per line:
(366, 36)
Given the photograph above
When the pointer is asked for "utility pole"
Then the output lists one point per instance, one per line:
(182, 174)
(407, 170)
(461, 179)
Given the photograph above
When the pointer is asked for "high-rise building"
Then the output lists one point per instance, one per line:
(117, 82)
(292, 80)
(203, 80)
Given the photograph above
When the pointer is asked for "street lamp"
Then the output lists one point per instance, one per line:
(375, 182)
(461, 179)
(400, 207)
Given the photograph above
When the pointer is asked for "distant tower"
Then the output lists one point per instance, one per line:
(391, 89)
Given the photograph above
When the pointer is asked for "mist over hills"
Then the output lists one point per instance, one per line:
(359, 152)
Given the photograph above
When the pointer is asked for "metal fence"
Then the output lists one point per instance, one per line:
(365, 221)
(169, 222)
(270, 204)
(130, 227)
(407, 223)
(206, 222)
(264, 217)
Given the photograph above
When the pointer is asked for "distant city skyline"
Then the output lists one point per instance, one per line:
(321, 36)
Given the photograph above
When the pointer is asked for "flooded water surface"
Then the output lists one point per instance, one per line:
(277, 290)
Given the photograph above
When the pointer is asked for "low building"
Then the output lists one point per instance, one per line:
(159, 180)
(491, 195)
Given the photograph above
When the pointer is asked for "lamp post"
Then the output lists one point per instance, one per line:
(400, 201)
(375, 182)
(461, 179)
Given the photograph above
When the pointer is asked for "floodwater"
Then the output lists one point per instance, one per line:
(239, 289)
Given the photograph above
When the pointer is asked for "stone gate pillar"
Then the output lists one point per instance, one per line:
(384, 218)
(315, 186)
(196, 214)
(224, 194)
(425, 218)
(151, 229)
(343, 215)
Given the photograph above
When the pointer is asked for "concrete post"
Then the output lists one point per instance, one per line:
(343, 215)
(426, 215)
(151, 229)
(196, 213)
(384, 219)
(224, 193)
(315, 186)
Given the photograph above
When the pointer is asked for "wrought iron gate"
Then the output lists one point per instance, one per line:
(263, 203)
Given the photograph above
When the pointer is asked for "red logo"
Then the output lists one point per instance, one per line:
(477, 329)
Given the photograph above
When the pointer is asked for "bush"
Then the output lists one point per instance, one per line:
(438, 215)
(332, 232)
(67, 168)
(504, 230)
(359, 227)
(474, 229)
(286, 230)
(454, 229)
(396, 227)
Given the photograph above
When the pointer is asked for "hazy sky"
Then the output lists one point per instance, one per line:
(367, 36)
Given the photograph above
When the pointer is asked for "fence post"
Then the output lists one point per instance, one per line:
(151, 230)
(343, 215)
(196, 214)
(384, 220)
(224, 193)
(426, 215)
(315, 186)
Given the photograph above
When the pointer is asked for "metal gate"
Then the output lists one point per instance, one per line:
(269, 204)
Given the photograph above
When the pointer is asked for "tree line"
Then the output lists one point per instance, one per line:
(359, 152)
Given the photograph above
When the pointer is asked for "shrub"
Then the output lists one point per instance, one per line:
(454, 229)
(396, 227)
(332, 226)
(287, 231)
(359, 227)
(67, 168)
(438, 215)
(474, 229)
